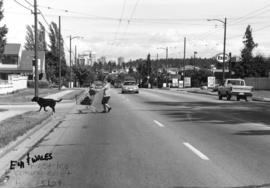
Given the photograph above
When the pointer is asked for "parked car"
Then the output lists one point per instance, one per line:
(117, 84)
(235, 87)
(130, 87)
(97, 85)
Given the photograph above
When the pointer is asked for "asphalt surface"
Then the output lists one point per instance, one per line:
(155, 139)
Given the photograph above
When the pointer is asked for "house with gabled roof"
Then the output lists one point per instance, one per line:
(18, 61)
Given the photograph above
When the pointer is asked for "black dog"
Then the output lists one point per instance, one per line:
(43, 103)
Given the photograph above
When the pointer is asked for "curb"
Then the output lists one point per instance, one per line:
(23, 137)
(205, 93)
(26, 143)
(11, 147)
(262, 99)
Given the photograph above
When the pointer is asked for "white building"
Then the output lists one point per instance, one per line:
(87, 58)
(120, 60)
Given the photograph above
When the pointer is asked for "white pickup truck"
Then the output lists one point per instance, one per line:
(235, 87)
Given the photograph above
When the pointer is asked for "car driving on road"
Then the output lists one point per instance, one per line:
(130, 87)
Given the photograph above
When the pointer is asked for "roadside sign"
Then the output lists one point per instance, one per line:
(181, 84)
(175, 82)
(187, 82)
(219, 57)
(211, 81)
(164, 85)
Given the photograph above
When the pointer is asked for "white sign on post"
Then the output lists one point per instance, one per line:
(175, 82)
(181, 84)
(219, 57)
(187, 82)
(211, 81)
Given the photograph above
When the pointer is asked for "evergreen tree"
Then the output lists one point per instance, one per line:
(52, 59)
(30, 38)
(249, 45)
(148, 65)
(3, 32)
(245, 67)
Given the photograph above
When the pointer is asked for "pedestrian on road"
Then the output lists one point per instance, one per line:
(106, 97)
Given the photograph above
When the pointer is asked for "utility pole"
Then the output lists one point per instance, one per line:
(75, 64)
(184, 63)
(59, 52)
(166, 66)
(157, 72)
(75, 55)
(184, 59)
(70, 74)
(194, 59)
(224, 44)
(224, 50)
(230, 65)
(36, 45)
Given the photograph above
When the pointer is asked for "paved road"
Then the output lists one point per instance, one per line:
(156, 139)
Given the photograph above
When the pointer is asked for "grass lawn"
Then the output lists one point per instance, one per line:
(26, 95)
(16, 126)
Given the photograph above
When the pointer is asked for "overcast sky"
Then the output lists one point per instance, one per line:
(134, 28)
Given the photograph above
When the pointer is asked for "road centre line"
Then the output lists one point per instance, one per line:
(197, 152)
(158, 123)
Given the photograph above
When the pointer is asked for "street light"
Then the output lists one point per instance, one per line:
(224, 44)
(70, 50)
(166, 63)
(194, 59)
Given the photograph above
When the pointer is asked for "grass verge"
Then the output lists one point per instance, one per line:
(25, 95)
(12, 128)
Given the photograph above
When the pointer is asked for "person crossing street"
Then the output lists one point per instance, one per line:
(106, 98)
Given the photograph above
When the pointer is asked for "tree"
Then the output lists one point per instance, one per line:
(3, 32)
(148, 65)
(30, 38)
(83, 74)
(52, 59)
(245, 67)
(249, 45)
(130, 70)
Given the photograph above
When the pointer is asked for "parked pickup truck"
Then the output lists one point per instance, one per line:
(235, 87)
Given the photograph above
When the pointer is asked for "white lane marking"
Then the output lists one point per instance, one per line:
(158, 123)
(197, 152)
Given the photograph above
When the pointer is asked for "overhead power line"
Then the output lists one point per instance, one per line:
(23, 5)
(120, 21)
(130, 18)
(250, 14)
(29, 3)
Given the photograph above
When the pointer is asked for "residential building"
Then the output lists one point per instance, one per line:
(20, 62)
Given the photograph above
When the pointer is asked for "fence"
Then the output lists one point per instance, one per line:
(14, 83)
(258, 83)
